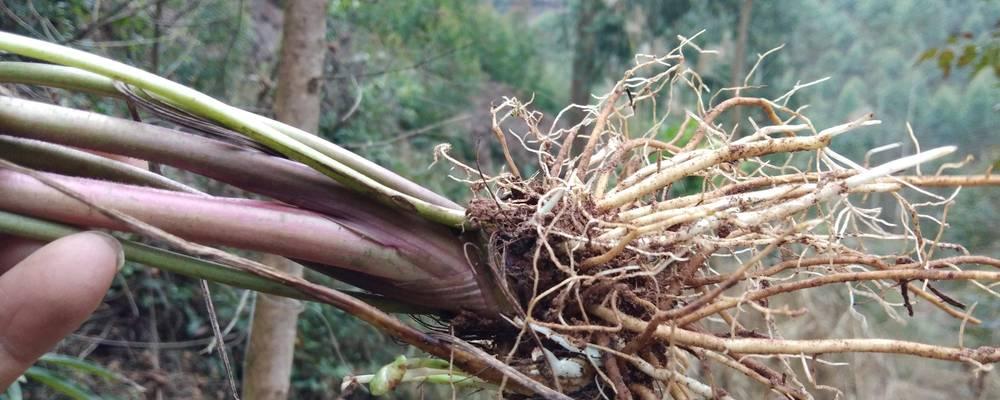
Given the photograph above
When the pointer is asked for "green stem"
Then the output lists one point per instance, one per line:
(347, 168)
(58, 76)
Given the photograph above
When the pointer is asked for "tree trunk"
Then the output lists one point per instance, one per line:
(297, 103)
(740, 52)
(584, 65)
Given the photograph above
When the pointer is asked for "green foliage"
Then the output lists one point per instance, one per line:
(82, 366)
(417, 65)
(63, 375)
(967, 50)
(13, 392)
(669, 133)
(59, 384)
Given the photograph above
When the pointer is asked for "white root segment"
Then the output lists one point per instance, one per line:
(653, 243)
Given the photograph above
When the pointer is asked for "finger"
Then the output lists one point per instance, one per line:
(13, 249)
(49, 294)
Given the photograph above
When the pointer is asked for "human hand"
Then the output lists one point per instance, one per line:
(46, 292)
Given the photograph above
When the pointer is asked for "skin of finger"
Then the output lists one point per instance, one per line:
(14, 249)
(49, 294)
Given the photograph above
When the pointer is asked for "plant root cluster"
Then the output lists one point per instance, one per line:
(642, 254)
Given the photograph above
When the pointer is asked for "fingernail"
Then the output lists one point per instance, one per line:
(115, 244)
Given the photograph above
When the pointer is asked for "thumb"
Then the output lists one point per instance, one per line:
(49, 294)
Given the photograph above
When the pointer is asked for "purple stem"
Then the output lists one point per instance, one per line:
(251, 224)
(435, 248)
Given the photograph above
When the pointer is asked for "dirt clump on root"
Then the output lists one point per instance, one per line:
(538, 256)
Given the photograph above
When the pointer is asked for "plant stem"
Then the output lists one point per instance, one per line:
(257, 225)
(68, 161)
(58, 76)
(41, 230)
(250, 224)
(433, 247)
(347, 168)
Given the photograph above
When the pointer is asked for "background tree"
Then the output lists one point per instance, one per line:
(271, 349)
(606, 34)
